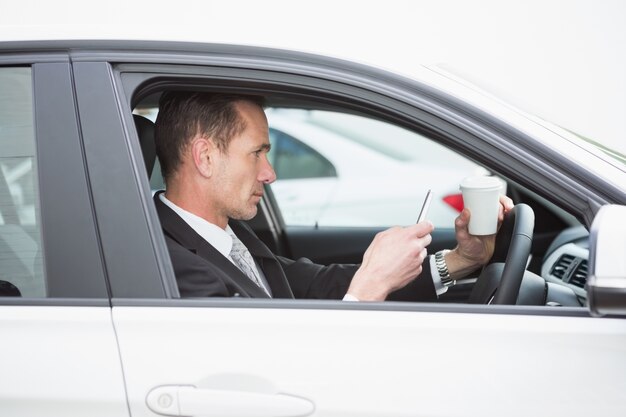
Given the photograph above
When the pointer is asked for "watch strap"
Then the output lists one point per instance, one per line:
(442, 268)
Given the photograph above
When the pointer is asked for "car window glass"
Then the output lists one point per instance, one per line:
(21, 267)
(380, 172)
(292, 159)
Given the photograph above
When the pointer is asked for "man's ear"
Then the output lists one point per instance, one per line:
(202, 153)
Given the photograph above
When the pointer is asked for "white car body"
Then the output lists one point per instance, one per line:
(146, 354)
(353, 363)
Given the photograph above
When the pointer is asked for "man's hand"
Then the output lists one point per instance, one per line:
(472, 251)
(393, 259)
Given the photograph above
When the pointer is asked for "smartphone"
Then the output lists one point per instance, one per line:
(425, 206)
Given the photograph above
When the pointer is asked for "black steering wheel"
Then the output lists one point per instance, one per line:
(504, 272)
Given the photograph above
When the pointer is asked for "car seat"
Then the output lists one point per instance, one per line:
(145, 131)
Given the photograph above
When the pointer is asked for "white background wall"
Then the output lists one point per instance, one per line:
(564, 60)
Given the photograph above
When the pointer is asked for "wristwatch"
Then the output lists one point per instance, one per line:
(442, 268)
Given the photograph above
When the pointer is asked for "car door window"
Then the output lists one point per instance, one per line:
(380, 172)
(21, 267)
(292, 159)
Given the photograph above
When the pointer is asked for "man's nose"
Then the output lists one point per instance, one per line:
(267, 174)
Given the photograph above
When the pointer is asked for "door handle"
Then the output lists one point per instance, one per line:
(187, 400)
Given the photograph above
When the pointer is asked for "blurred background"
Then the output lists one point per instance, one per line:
(563, 60)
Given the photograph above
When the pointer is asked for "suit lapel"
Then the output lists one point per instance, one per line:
(272, 269)
(182, 233)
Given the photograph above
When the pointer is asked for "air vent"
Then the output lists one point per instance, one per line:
(561, 266)
(579, 276)
(571, 269)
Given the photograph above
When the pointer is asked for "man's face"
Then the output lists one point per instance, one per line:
(242, 170)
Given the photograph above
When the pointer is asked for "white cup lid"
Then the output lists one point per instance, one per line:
(481, 182)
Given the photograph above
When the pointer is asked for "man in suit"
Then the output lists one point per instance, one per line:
(213, 154)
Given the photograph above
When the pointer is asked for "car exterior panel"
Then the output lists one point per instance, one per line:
(124, 331)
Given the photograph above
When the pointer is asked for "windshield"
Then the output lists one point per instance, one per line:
(613, 153)
(610, 148)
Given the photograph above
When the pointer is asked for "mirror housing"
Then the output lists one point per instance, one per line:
(606, 283)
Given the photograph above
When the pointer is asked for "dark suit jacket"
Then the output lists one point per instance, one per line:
(202, 271)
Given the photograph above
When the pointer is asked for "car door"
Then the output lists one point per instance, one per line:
(58, 349)
(310, 357)
(328, 359)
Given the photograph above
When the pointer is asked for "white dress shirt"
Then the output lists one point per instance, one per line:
(217, 237)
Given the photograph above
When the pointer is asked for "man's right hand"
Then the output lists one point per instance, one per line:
(393, 259)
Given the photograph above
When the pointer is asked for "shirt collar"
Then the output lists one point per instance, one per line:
(219, 238)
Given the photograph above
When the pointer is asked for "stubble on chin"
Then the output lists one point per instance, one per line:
(244, 214)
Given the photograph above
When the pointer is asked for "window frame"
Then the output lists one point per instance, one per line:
(65, 215)
(139, 80)
(120, 195)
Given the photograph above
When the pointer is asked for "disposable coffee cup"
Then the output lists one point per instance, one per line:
(481, 195)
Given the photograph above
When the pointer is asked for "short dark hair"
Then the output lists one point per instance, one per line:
(185, 114)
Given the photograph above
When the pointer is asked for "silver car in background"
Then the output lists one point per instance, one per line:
(327, 164)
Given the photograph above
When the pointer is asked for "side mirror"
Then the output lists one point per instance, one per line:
(606, 284)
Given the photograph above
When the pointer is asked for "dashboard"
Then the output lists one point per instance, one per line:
(566, 261)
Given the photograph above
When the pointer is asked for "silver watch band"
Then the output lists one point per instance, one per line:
(442, 268)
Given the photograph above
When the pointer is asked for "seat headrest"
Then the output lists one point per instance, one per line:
(9, 290)
(145, 131)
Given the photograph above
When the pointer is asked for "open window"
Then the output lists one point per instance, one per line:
(346, 172)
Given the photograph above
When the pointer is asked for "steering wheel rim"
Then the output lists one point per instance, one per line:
(512, 247)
